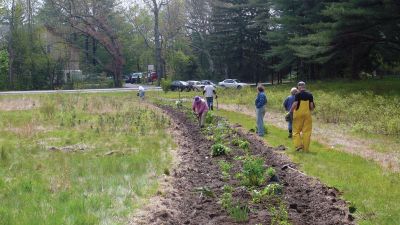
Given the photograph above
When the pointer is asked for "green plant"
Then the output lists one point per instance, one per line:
(271, 172)
(272, 189)
(239, 213)
(226, 200)
(225, 169)
(165, 85)
(210, 118)
(279, 215)
(268, 191)
(236, 142)
(253, 171)
(205, 191)
(245, 145)
(219, 149)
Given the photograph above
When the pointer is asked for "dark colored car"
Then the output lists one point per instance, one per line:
(178, 85)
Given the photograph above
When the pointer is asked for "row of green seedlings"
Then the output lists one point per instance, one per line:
(253, 175)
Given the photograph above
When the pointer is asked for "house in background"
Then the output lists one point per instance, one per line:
(61, 50)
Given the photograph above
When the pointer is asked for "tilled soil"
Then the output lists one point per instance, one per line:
(308, 200)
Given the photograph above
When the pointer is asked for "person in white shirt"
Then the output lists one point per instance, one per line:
(141, 92)
(209, 92)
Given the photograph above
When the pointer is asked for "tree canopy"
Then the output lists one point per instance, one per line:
(41, 42)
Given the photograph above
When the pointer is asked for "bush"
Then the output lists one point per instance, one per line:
(253, 171)
(219, 149)
(165, 85)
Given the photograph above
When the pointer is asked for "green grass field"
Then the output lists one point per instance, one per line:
(78, 159)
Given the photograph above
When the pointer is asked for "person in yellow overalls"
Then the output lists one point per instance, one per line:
(302, 121)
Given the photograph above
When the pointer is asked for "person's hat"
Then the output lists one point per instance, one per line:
(197, 99)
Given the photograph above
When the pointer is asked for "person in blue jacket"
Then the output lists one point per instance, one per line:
(287, 104)
(261, 102)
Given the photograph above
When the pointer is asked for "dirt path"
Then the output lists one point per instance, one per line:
(333, 136)
(308, 200)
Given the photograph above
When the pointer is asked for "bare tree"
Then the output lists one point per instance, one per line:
(92, 18)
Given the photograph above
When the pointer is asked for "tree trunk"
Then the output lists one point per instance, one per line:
(159, 69)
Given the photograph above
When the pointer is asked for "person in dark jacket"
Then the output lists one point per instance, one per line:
(287, 104)
(261, 102)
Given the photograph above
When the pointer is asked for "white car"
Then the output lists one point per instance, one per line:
(196, 85)
(232, 83)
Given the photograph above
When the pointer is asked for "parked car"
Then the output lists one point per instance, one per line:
(178, 85)
(195, 85)
(133, 78)
(152, 76)
(232, 83)
(205, 82)
(136, 77)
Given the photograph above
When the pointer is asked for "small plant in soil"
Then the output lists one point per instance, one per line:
(271, 172)
(269, 191)
(205, 191)
(226, 198)
(253, 171)
(236, 142)
(279, 215)
(210, 118)
(273, 189)
(225, 169)
(219, 149)
(239, 213)
(245, 145)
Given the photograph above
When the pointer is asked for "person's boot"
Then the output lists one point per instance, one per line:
(290, 135)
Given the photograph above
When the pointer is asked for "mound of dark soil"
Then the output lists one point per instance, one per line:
(308, 200)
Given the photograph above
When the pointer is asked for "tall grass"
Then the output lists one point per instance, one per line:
(89, 159)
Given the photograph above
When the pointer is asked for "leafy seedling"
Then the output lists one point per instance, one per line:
(253, 171)
(219, 149)
(205, 191)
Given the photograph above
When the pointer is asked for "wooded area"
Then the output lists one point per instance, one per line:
(44, 43)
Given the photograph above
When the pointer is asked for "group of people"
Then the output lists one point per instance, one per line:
(298, 105)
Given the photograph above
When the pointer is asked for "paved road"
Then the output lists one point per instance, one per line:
(127, 88)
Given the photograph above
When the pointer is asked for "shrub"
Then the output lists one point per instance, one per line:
(165, 85)
(219, 149)
(253, 171)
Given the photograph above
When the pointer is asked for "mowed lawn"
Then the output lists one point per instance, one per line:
(78, 159)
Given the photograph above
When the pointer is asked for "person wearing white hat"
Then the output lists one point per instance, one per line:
(287, 104)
